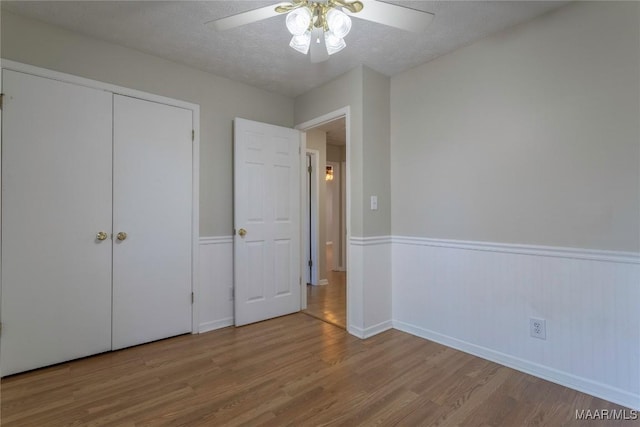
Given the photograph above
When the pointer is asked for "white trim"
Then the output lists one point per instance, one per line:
(371, 330)
(326, 118)
(323, 282)
(377, 329)
(216, 240)
(195, 159)
(546, 251)
(195, 218)
(305, 213)
(371, 241)
(216, 324)
(314, 227)
(584, 385)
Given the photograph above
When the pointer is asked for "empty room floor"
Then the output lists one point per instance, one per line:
(293, 370)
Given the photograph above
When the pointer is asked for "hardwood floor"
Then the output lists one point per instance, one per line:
(329, 302)
(294, 370)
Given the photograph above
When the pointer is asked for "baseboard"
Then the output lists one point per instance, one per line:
(322, 282)
(584, 385)
(216, 324)
(371, 330)
(377, 329)
(355, 331)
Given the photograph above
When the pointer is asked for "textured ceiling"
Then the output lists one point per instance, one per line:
(259, 54)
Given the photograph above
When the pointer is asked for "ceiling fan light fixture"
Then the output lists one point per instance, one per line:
(333, 43)
(298, 21)
(301, 43)
(339, 23)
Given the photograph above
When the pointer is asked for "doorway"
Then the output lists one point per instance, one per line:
(326, 232)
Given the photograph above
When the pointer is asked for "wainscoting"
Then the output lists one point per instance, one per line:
(478, 298)
(215, 299)
(369, 286)
(368, 293)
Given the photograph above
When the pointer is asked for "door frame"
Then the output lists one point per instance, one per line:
(337, 241)
(308, 125)
(195, 155)
(312, 229)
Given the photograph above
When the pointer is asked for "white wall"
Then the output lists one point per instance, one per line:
(506, 155)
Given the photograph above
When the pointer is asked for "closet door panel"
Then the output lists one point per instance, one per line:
(153, 206)
(56, 197)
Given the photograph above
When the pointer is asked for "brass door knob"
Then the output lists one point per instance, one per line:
(121, 235)
(242, 232)
(101, 235)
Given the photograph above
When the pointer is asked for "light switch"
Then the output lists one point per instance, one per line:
(374, 203)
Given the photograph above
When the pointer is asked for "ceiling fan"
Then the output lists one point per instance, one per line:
(318, 27)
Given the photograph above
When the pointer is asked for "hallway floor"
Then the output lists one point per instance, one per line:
(329, 302)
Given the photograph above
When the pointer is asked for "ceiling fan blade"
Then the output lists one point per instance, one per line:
(244, 18)
(317, 48)
(393, 15)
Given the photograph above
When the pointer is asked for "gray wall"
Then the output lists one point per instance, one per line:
(220, 99)
(341, 92)
(367, 94)
(529, 136)
(376, 150)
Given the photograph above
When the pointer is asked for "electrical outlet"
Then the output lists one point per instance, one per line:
(538, 328)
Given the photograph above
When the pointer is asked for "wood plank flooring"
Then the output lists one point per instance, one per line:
(329, 302)
(294, 370)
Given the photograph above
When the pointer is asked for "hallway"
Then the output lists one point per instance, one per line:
(329, 302)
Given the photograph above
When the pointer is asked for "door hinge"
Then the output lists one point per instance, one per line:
(193, 297)
(310, 169)
(234, 231)
(193, 135)
(1, 100)
(0, 328)
(310, 263)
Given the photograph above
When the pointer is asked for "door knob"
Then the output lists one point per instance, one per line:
(121, 235)
(101, 235)
(242, 232)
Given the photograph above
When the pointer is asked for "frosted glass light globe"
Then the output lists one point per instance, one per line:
(339, 23)
(298, 21)
(301, 43)
(334, 44)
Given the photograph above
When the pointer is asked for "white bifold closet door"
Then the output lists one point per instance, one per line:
(56, 197)
(76, 162)
(152, 204)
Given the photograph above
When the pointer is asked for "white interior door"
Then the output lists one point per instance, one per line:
(56, 197)
(267, 221)
(152, 204)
